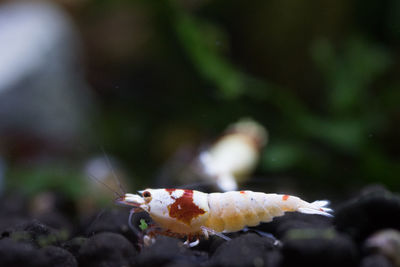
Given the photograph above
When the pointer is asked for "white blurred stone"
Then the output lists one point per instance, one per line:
(42, 89)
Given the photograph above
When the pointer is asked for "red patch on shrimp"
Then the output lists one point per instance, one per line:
(285, 197)
(242, 192)
(170, 190)
(184, 209)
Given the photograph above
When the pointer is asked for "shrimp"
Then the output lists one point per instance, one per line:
(190, 213)
(235, 155)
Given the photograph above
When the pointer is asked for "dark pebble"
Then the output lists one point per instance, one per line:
(169, 251)
(372, 210)
(36, 233)
(295, 220)
(55, 256)
(107, 249)
(115, 221)
(385, 242)
(211, 244)
(376, 260)
(13, 253)
(318, 247)
(74, 245)
(246, 250)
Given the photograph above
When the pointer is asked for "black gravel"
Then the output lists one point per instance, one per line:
(107, 249)
(374, 209)
(356, 236)
(247, 250)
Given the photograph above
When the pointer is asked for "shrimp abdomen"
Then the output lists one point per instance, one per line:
(232, 211)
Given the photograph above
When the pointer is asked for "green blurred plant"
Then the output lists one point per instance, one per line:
(351, 117)
(33, 180)
(201, 41)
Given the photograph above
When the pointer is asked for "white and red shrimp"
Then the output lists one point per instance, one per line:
(190, 213)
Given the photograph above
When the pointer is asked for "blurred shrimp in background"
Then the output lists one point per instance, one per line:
(222, 165)
(233, 157)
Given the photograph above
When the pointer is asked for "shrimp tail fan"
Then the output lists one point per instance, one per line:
(317, 207)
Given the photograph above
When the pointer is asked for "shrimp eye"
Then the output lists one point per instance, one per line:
(146, 194)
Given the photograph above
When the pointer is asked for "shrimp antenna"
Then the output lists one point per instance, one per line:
(92, 224)
(107, 186)
(113, 172)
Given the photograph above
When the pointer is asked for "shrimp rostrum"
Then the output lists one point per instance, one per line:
(190, 213)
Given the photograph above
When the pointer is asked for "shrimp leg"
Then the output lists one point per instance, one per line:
(191, 244)
(136, 231)
(277, 242)
(206, 231)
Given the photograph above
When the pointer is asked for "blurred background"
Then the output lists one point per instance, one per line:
(154, 83)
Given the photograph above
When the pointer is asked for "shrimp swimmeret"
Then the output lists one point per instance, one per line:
(190, 213)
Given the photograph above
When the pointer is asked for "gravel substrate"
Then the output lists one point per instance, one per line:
(364, 232)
